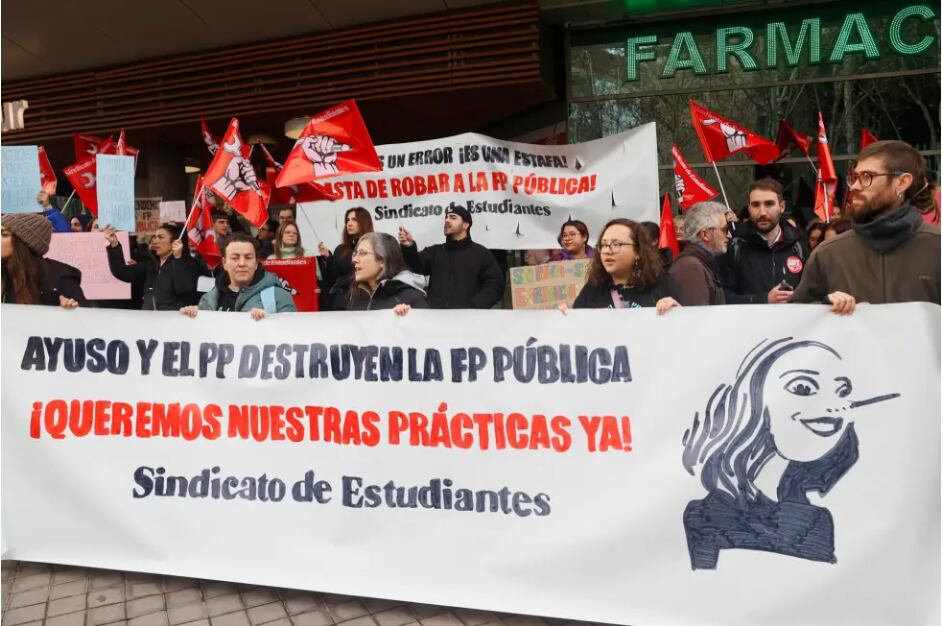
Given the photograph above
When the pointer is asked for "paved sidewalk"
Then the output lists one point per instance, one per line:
(35, 594)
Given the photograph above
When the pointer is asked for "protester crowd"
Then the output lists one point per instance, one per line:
(885, 248)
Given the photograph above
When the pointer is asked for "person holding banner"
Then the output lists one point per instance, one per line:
(244, 285)
(627, 272)
(574, 242)
(381, 278)
(890, 254)
(168, 274)
(339, 270)
(462, 274)
(28, 277)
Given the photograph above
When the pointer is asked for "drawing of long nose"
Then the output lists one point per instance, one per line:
(888, 396)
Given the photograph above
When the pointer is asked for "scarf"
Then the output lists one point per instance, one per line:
(885, 234)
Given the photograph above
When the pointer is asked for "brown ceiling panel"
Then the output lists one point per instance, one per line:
(428, 54)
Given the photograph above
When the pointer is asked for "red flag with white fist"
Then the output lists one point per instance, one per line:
(827, 178)
(232, 178)
(334, 142)
(199, 227)
(89, 145)
(689, 187)
(721, 138)
(47, 175)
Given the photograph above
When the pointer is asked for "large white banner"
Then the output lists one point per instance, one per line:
(518, 194)
(734, 466)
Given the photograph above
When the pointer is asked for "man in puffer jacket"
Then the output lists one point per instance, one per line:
(244, 285)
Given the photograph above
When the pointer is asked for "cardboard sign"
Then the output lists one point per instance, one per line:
(115, 189)
(548, 286)
(86, 251)
(299, 277)
(146, 216)
(19, 179)
(514, 461)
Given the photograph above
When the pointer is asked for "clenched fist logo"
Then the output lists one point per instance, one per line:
(679, 187)
(736, 139)
(239, 174)
(322, 151)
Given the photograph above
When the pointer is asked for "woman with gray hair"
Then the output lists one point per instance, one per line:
(381, 280)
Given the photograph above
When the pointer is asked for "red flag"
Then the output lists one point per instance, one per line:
(199, 227)
(299, 277)
(47, 175)
(334, 142)
(123, 149)
(721, 138)
(232, 178)
(689, 187)
(667, 238)
(788, 138)
(82, 177)
(827, 179)
(292, 194)
(88, 145)
(867, 138)
(212, 143)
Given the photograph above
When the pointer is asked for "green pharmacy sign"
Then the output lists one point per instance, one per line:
(803, 40)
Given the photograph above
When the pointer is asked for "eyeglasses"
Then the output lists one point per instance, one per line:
(866, 177)
(359, 253)
(613, 246)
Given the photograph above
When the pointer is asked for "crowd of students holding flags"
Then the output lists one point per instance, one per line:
(890, 201)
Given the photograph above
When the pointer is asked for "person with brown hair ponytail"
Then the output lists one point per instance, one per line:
(27, 277)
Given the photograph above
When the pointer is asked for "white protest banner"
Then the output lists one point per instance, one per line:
(86, 251)
(548, 285)
(19, 179)
(518, 194)
(173, 211)
(115, 188)
(777, 466)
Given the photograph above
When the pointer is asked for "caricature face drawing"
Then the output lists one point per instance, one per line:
(807, 394)
(790, 398)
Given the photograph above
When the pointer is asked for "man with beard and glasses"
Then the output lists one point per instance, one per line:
(890, 254)
(764, 260)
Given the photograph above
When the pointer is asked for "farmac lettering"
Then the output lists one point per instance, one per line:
(529, 362)
(854, 37)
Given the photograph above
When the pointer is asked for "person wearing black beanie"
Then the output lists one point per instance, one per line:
(462, 274)
(28, 277)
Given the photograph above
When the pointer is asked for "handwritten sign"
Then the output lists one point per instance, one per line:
(146, 215)
(115, 186)
(546, 286)
(173, 211)
(86, 251)
(19, 170)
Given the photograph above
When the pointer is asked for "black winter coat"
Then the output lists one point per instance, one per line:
(389, 294)
(58, 279)
(167, 287)
(462, 274)
(591, 297)
(338, 274)
(751, 267)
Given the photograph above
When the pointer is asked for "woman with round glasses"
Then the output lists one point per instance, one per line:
(627, 272)
(574, 242)
(381, 278)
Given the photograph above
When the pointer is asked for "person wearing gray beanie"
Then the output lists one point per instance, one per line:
(28, 277)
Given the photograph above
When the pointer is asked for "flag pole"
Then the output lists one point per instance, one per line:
(720, 180)
(828, 213)
(183, 231)
(815, 170)
(64, 206)
(307, 219)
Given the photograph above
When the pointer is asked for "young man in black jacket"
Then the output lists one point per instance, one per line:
(764, 261)
(462, 274)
